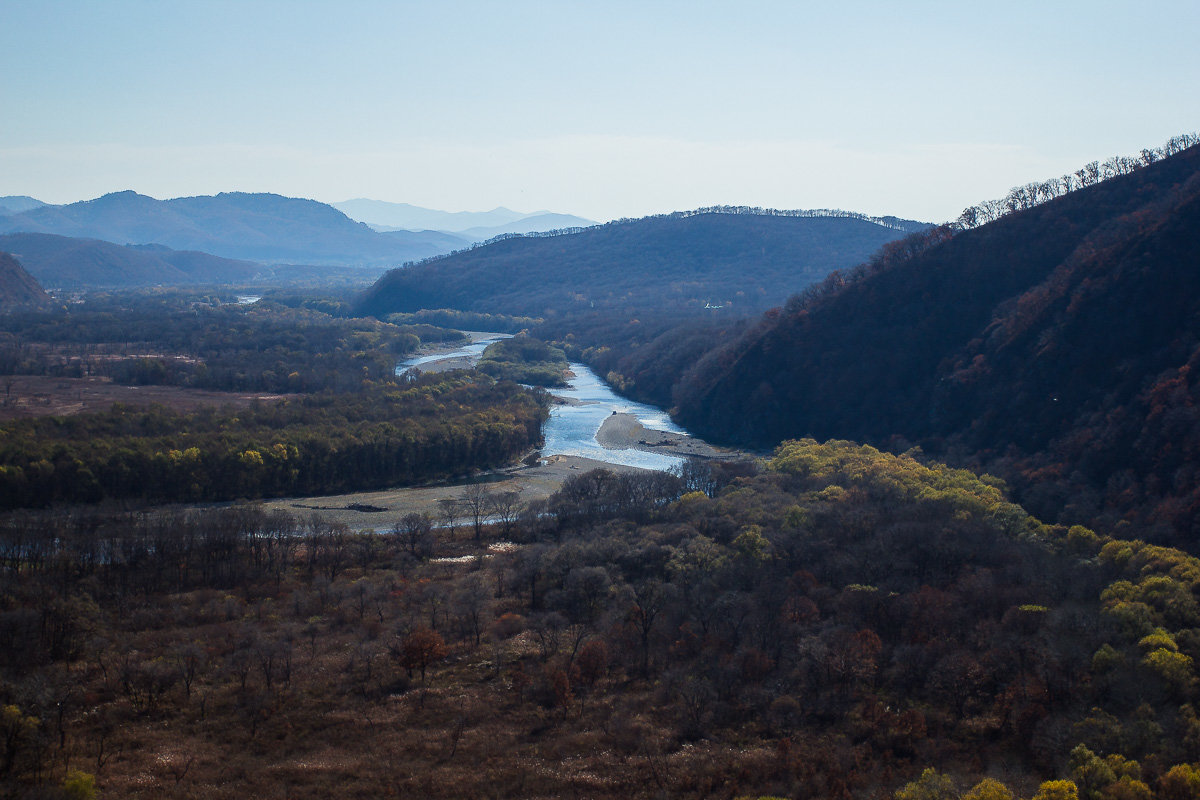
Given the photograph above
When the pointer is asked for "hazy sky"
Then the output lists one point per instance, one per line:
(604, 109)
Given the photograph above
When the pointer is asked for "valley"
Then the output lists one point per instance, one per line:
(589, 427)
(445, 536)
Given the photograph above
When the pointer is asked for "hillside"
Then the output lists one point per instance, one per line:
(65, 262)
(743, 261)
(1058, 345)
(257, 227)
(19, 289)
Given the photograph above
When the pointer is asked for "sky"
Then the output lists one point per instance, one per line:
(601, 109)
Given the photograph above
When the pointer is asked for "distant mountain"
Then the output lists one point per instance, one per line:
(65, 262)
(402, 216)
(744, 261)
(536, 223)
(1058, 346)
(258, 227)
(19, 289)
(475, 225)
(441, 240)
(15, 204)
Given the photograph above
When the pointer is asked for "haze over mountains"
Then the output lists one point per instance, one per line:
(265, 228)
(471, 225)
(257, 227)
(15, 204)
(63, 262)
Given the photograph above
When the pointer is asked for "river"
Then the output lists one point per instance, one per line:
(571, 429)
(472, 351)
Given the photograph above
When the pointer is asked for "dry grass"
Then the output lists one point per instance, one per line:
(39, 396)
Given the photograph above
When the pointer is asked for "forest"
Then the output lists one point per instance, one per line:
(839, 622)
(342, 421)
(740, 260)
(1050, 341)
(1052, 346)
(524, 359)
(206, 341)
(464, 320)
(640, 355)
(430, 427)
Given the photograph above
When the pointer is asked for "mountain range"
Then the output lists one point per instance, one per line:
(71, 263)
(473, 226)
(257, 227)
(738, 259)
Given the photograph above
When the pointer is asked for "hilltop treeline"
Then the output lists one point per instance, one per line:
(1032, 194)
(844, 623)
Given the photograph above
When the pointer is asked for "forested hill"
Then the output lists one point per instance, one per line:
(746, 262)
(1059, 344)
(19, 289)
(258, 227)
(66, 262)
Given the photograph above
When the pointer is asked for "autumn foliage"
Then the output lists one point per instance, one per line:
(843, 622)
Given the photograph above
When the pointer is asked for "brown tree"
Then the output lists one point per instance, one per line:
(420, 648)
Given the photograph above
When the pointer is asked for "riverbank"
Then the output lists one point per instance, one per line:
(625, 432)
(383, 508)
(443, 356)
(578, 414)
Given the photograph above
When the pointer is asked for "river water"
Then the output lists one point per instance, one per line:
(473, 351)
(571, 429)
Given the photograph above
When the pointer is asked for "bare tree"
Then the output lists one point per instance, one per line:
(414, 531)
(506, 506)
(448, 514)
(468, 605)
(476, 500)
